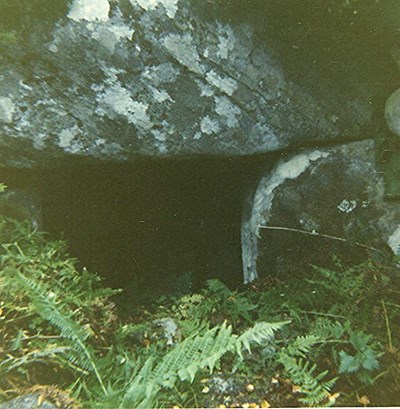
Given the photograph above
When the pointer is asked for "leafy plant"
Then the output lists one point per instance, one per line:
(191, 356)
(364, 358)
(59, 324)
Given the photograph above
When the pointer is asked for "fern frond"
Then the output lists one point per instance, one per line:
(261, 333)
(302, 345)
(195, 353)
(69, 329)
(302, 373)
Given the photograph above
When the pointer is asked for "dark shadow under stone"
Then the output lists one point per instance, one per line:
(154, 227)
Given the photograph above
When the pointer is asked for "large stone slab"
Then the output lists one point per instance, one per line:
(117, 79)
(316, 204)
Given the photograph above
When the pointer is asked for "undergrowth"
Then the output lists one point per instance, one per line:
(329, 337)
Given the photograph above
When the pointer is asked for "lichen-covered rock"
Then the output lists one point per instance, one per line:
(118, 79)
(315, 204)
(28, 401)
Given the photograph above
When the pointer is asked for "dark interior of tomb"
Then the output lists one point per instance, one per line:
(153, 227)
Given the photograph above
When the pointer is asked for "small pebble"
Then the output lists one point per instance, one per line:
(249, 387)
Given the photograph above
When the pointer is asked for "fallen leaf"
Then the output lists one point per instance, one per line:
(253, 405)
(364, 400)
(332, 397)
(206, 389)
(265, 404)
(296, 389)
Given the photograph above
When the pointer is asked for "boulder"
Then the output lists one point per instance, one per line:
(29, 401)
(119, 79)
(315, 204)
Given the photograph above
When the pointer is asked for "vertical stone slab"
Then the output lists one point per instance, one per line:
(316, 204)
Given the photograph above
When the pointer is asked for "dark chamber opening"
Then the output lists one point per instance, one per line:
(154, 227)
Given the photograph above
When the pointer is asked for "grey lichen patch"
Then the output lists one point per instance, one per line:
(68, 140)
(161, 95)
(108, 148)
(228, 111)
(394, 241)
(227, 41)
(205, 89)
(263, 136)
(184, 50)
(209, 126)
(171, 6)
(224, 84)
(159, 135)
(40, 141)
(89, 10)
(160, 74)
(109, 35)
(347, 206)
(115, 99)
(7, 110)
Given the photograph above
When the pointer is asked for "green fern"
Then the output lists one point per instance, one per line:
(47, 307)
(261, 334)
(189, 357)
(302, 372)
(301, 345)
(315, 389)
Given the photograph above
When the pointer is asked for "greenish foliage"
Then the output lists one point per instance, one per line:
(189, 357)
(328, 331)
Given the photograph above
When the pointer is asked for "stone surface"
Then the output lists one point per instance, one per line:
(336, 192)
(392, 112)
(121, 79)
(29, 401)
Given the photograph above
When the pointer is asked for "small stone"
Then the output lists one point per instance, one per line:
(249, 387)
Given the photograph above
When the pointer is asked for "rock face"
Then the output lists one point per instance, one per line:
(315, 204)
(29, 401)
(121, 79)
